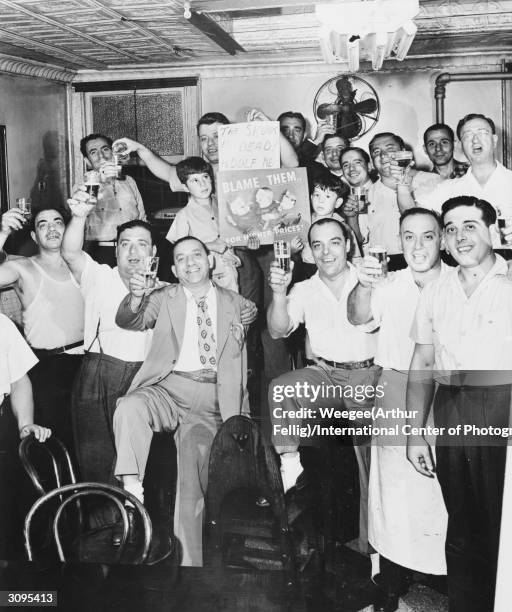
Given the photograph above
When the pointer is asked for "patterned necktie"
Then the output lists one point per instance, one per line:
(206, 337)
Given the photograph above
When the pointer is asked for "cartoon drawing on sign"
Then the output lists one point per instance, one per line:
(269, 208)
(244, 215)
(288, 215)
(265, 204)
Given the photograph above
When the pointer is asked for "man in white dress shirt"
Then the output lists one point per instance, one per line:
(343, 354)
(485, 179)
(407, 517)
(463, 336)
(394, 192)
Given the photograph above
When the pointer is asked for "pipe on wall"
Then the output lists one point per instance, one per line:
(446, 77)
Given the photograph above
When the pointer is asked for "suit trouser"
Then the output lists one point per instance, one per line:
(100, 381)
(253, 279)
(339, 378)
(191, 409)
(471, 471)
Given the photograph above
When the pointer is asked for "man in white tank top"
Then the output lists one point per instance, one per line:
(53, 315)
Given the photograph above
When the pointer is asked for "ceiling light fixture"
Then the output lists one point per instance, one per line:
(374, 30)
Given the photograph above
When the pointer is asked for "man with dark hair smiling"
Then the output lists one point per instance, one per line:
(113, 355)
(342, 353)
(207, 131)
(438, 141)
(293, 127)
(119, 201)
(194, 378)
(393, 193)
(463, 336)
(53, 315)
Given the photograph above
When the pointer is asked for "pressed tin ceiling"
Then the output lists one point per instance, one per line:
(108, 34)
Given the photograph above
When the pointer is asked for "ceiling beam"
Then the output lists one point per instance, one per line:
(214, 32)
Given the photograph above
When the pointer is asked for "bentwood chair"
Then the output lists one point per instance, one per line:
(92, 545)
(66, 511)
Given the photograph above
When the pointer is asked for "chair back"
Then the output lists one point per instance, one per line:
(61, 464)
(72, 493)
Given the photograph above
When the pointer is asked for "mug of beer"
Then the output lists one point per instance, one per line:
(92, 185)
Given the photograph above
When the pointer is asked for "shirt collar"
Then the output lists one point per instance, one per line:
(497, 170)
(500, 268)
(352, 278)
(209, 294)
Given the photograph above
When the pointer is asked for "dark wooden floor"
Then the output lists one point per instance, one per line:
(163, 588)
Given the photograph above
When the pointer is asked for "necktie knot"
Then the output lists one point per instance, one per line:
(201, 303)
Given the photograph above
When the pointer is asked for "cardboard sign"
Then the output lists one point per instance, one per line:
(271, 205)
(249, 146)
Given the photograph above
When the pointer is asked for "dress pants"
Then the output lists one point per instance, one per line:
(52, 380)
(471, 474)
(316, 376)
(100, 381)
(253, 279)
(189, 408)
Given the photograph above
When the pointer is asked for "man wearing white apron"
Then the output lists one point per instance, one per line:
(407, 516)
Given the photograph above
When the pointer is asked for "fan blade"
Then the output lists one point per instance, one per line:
(365, 106)
(324, 110)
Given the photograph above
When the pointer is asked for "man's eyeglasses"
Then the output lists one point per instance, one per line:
(470, 135)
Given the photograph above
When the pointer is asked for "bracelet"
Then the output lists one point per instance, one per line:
(23, 429)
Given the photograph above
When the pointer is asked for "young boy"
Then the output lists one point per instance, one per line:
(325, 197)
(199, 218)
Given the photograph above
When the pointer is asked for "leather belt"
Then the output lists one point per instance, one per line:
(56, 351)
(207, 376)
(347, 365)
